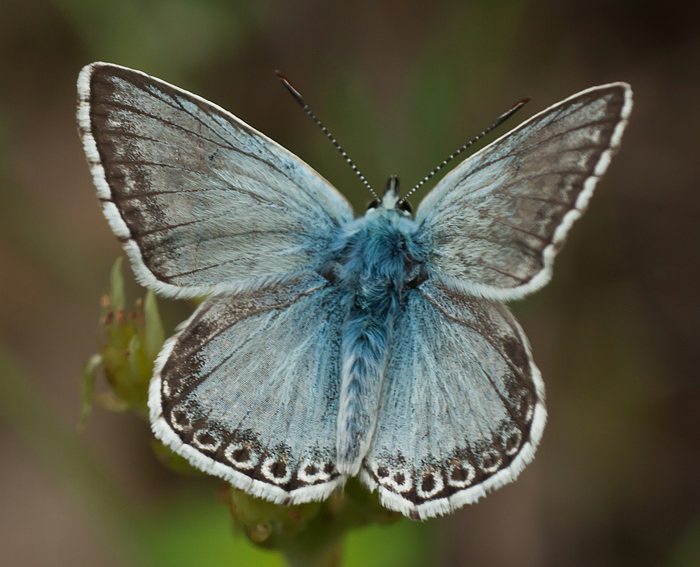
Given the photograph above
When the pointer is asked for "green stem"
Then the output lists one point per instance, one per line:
(329, 554)
(308, 535)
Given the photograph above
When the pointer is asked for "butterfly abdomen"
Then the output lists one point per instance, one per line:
(363, 352)
(374, 265)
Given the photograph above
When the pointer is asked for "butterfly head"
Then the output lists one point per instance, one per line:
(391, 199)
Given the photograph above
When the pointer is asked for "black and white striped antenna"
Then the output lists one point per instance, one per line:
(500, 120)
(307, 109)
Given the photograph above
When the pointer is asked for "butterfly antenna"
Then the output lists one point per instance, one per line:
(500, 120)
(307, 109)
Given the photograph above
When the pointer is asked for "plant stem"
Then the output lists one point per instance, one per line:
(328, 555)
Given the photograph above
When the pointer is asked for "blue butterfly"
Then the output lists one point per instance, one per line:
(331, 345)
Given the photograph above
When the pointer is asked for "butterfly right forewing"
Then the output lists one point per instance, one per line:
(495, 223)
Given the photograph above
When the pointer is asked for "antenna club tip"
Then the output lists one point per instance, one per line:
(288, 85)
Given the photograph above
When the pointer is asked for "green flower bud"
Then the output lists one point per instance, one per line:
(132, 341)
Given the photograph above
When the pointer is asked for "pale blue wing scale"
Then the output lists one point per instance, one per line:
(248, 390)
(462, 408)
(202, 202)
(495, 223)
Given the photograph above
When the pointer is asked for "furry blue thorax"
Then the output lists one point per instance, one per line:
(376, 259)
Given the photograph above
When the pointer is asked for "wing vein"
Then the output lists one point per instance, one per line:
(138, 111)
(181, 108)
(200, 241)
(531, 147)
(514, 368)
(519, 229)
(179, 225)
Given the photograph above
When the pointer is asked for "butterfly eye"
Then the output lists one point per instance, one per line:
(405, 207)
(373, 205)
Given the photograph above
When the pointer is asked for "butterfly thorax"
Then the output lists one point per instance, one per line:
(376, 261)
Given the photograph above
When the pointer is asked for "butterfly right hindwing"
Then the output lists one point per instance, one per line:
(463, 406)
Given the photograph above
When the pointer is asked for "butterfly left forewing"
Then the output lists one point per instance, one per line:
(248, 390)
(495, 223)
(202, 202)
(463, 406)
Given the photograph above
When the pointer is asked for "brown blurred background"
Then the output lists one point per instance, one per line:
(617, 478)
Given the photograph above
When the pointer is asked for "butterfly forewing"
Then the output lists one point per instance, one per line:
(463, 406)
(248, 390)
(202, 202)
(496, 222)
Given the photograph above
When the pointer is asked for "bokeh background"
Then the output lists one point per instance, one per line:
(616, 480)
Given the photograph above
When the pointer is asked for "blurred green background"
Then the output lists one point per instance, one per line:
(616, 480)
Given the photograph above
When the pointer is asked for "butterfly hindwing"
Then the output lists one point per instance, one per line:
(495, 223)
(248, 390)
(201, 201)
(463, 404)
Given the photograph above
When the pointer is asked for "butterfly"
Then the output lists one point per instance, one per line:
(330, 345)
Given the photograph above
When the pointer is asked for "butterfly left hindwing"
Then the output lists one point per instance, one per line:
(248, 390)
